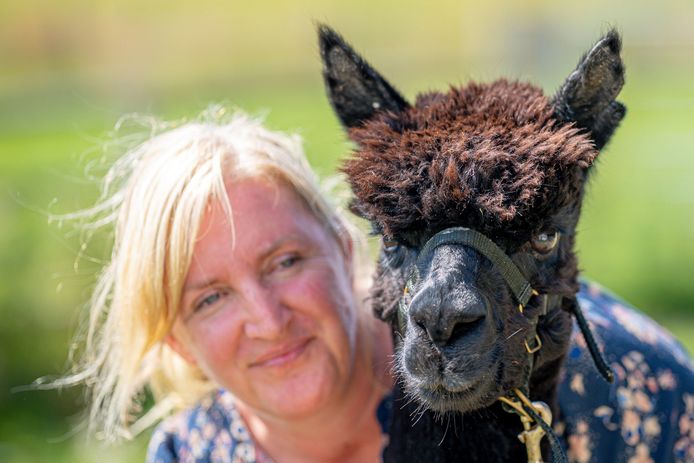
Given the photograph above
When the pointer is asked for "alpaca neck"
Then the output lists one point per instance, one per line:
(489, 435)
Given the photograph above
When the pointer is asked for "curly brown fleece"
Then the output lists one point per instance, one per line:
(487, 155)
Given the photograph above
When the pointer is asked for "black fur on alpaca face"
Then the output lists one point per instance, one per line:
(499, 158)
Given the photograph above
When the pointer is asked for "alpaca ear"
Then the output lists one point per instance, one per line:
(588, 97)
(355, 90)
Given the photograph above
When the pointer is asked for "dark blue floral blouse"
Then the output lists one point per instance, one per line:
(645, 416)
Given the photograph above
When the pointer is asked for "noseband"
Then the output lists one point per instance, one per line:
(535, 416)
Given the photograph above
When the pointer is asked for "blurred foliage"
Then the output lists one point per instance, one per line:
(70, 69)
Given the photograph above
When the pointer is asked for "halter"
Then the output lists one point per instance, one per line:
(535, 416)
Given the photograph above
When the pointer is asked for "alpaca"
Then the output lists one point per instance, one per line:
(476, 193)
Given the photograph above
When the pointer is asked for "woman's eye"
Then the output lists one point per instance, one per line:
(283, 262)
(288, 261)
(208, 300)
(545, 242)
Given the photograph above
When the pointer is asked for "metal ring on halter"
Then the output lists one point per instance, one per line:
(536, 347)
(521, 307)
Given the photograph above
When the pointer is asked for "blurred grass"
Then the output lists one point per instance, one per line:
(72, 69)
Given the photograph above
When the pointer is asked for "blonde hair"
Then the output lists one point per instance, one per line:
(155, 197)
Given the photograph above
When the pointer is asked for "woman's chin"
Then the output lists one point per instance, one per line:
(300, 392)
(295, 400)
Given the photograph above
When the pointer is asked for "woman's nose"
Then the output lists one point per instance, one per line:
(267, 317)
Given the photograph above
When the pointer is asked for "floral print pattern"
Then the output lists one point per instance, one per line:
(647, 409)
(645, 416)
(211, 432)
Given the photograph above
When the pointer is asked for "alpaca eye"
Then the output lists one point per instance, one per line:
(545, 242)
(390, 245)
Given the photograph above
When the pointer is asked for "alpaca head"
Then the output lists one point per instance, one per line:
(501, 159)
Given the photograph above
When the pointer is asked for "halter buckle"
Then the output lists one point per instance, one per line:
(536, 347)
(533, 292)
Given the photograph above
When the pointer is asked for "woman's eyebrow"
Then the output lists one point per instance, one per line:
(272, 247)
(195, 285)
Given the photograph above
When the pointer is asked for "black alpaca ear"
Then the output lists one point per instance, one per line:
(355, 90)
(588, 97)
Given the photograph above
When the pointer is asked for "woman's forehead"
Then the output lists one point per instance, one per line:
(260, 210)
(264, 198)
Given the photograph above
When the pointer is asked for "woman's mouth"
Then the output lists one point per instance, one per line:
(282, 355)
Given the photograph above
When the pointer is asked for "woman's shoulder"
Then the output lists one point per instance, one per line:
(211, 431)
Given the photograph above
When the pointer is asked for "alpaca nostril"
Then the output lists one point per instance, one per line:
(444, 334)
(464, 328)
(421, 326)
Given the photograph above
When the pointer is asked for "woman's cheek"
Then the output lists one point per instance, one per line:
(315, 292)
(216, 337)
(326, 298)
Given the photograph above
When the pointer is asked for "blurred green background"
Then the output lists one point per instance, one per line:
(70, 69)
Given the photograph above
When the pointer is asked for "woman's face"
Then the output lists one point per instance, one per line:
(267, 309)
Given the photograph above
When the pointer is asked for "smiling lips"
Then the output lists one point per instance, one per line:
(282, 355)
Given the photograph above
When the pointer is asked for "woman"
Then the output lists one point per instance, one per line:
(233, 293)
